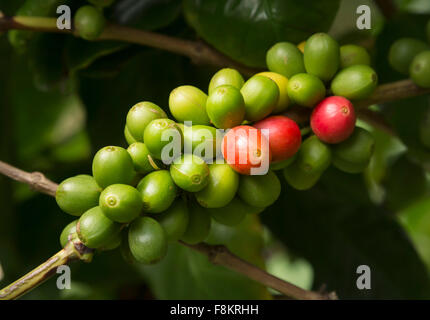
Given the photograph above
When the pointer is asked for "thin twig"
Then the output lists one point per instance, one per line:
(217, 254)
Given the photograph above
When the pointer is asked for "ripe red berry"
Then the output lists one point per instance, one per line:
(284, 136)
(244, 148)
(333, 119)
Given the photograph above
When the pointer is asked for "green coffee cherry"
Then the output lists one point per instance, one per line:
(113, 165)
(113, 243)
(160, 135)
(322, 56)
(202, 141)
(175, 220)
(314, 156)
(355, 82)
(77, 194)
(425, 129)
(95, 229)
(89, 22)
(261, 97)
(128, 137)
(420, 69)
(281, 82)
(221, 188)
(275, 166)
(286, 59)
(306, 90)
(233, 213)
(68, 230)
(125, 247)
(226, 76)
(147, 240)
(142, 160)
(403, 51)
(353, 154)
(188, 103)
(259, 191)
(158, 191)
(121, 203)
(190, 173)
(352, 54)
(199, 224)
(300, 179)
(225, 107)
(140, 115)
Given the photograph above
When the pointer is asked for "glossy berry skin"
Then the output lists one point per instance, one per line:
(174, 220)
(226, 76)
(140, 115)
(202, 141)
(353, 154)
(113, 165)
(221, 188)
(199, 225)
(352, 54)
(121, 203)
(158, 191)
(233, 213)
(276, 166)
(403, 51)
(281, 82)
(190, 173)
(259, 191)
(225, 107)
(128, 137)
(284, 136)
(158, 134)
(333, 119)
(112, 244)
(420, 69)
(77, 194)
(286, 59)
(321, 56)
(355, 82)
(306, 90)
(188, 103)
(95, 229)
(142, 160)
(89, 22)
(147, 240)
(68, 230)
(261, 97)
(244, 148)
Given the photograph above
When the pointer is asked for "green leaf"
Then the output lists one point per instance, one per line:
(245, 30)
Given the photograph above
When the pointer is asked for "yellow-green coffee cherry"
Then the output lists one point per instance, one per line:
(261, 97)
(306, 90)
(142, 160)
(259, 191)
(420, 69)
(121, 203)
(226, 76)
(233, 213)
(113, 165)
(225, 107)
(174, 220)
(140, 115)
(68, 231)
(199, 224)
(221, 188)
(147, 240)
(352, 54)
(190, 173)
(164, 140)
(95, 229)
(286, 59)
(77, 194)
(282, 82)
(158, 191)
(403, 51)
(322, 56)
(355, 82)
(89, 22)
(128, 137)
(202, 141)
(188, 103)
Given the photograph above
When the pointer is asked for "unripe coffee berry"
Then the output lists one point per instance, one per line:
(306, 90)
(140, 115)
(67, 231)
(162, 132)
(352, 54)
(199, 224)
(286, 59)
(174, 220)
(226, 76)
(142, 160)
(89, 22)
(259, 191)
(355, 82)
(128, 137)
(333, 119)
(188, 103)
(233, 213)
(420, 69)
(281, 82)
(403, 51)
(203, 141)
(190, 173)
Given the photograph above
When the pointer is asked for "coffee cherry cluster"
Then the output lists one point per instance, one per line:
(177, 175)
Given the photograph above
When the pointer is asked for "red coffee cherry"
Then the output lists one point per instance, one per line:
(244, 147)
(284, 136)
(333, 119)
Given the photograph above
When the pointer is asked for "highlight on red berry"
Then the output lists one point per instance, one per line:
(333, 119)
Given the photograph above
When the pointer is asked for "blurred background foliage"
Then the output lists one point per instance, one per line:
(62, 98)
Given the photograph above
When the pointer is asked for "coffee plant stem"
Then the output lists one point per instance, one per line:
(76, 250)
